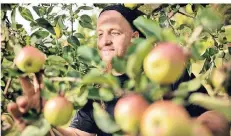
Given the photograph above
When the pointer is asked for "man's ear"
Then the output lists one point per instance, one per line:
(135, 34)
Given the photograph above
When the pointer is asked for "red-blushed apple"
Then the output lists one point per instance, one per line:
(58, 111)
(30, 59)
(128, 112)
(165, 118)
(165, 63)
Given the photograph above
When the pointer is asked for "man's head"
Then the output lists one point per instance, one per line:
(115, 30)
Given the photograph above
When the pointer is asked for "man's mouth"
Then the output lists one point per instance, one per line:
(107, 51)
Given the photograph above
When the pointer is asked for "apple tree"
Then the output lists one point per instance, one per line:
(195, 37)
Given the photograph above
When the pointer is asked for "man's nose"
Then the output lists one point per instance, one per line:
(106, 40)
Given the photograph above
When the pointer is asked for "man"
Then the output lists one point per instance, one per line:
(115, 31)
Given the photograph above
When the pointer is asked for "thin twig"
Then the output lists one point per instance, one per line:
(185, 14)
(169, 22)
(72, 21)
(8, 82)
(71, 79)
(7, 85)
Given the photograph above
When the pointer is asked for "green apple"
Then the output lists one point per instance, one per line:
(58, 111)
(30, 59)
(128, 112)
(130, 5)
(188, 9)
(165, 63)
(164, 118)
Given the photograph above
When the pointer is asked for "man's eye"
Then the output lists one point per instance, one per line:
(100, 34)
(115, 33)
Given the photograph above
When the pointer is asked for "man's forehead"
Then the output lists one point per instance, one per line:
(111, 17)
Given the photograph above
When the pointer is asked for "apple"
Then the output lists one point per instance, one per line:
(30, 59)
(164, 118)
(128, 112)
(58, 111)
(130, 5)
(165, 63)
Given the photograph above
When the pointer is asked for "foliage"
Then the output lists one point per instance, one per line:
(66, 34)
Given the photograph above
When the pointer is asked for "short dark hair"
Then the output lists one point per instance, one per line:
(129, 14)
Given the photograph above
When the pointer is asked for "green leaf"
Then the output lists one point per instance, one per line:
(59, 20)
(25, 13)
(195, 52)
(46, 25)
(51, 72)
(39, 10)
(73, 73)
(106, 94)
(13, 13)
(56, 60)
(187, 87)
(207, 64)
(119, 64)
(13, 72)
(48, 84)
(73, 41)
(78, 95)
(40, 34)
(79, 35)
(31, 131)
(86, 18)
(6, 63)
(85, 8)
(93, 93)
(103, 119)
(212, 103)
(135, 61)
(86, 53)
(168, 35)
(209, 52)
(209, 19)
(2, 83)
(43, 125)
(228, 33)
(104, 79)
(50, 9)
(85, 24)
(148, 27)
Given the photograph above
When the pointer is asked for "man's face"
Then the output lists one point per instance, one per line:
(114, 35)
